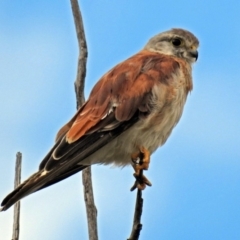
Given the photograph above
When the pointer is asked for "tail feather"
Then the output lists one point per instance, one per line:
(27, 187)
(33, 184)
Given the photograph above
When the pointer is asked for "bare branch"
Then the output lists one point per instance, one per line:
(79, 89)
(90, 206)
(82, 59)
(137, 226)
(17, 181)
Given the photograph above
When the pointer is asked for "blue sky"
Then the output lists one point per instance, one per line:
(195, 175)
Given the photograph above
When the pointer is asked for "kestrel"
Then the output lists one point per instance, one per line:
(131, 111)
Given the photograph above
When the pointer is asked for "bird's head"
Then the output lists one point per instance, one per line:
(175, 42)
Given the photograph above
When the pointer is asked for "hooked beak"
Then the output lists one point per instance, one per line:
(193, 54)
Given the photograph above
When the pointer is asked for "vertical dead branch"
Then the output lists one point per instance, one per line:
(90, 206)
(79, 89)
(17, 181)
(83, 54)
(86, 175)
(137, 226)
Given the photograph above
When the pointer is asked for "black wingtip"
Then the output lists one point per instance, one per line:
(3, 208)
(27, 187)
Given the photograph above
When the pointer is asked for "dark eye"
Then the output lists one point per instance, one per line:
(176, 42)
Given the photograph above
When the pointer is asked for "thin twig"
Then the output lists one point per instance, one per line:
(17, 181)
(137, 226)
(79, 89)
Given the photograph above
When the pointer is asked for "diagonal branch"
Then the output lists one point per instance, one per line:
(137, 226)
(79, 89)
(17, 181)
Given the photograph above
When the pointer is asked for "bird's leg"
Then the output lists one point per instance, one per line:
(140, 162)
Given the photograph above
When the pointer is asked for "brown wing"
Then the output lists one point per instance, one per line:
(121, 90)
(116, 102)
(124, 90)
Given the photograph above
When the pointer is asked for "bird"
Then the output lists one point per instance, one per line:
(130, 113)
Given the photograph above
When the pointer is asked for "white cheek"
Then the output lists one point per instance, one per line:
(164, 48)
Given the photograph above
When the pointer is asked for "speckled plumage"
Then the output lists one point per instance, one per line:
(137, 103)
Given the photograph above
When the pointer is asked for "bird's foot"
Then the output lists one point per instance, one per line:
(140, 162)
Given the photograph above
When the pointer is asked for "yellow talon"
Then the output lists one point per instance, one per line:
(141, 162)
